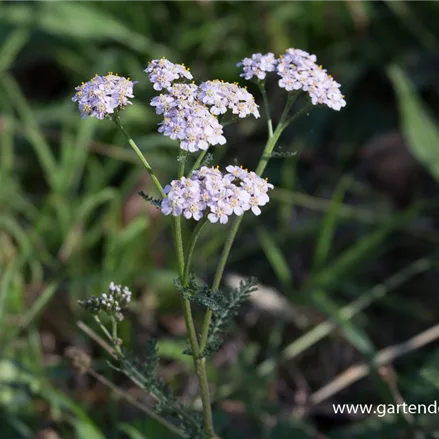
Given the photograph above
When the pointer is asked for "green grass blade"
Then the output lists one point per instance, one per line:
(327, 229)
(276, 259)
(418, 126)
(62, 19)
(131, 432)
(6, 288)
(32, 130)
(31, 315)
(11, 48)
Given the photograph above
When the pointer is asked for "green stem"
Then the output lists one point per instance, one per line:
(103, 328)
(114, 330)
(142, 158)
(182, 164)
(266, 109)
(298, 114)
(186, 304)
(217, 279)
(191, 249)
(199, 365)
(136, 403)
(178, 241)
(271, 143)
(198, 162)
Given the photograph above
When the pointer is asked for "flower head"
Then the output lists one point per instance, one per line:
(258, 65)
(162, 73)
(111, 302)
(222, 96)
(103, 95)
(298, 71)
(217, 195)
(186, 119)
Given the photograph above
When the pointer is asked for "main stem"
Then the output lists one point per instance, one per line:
(200, 367)
(183, 267)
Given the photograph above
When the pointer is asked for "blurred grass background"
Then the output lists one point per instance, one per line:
(345, 253)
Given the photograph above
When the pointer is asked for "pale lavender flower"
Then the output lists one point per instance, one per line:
(103, 95)
(298, 71)
(258, 65)
(222, 96)
(186, 119)
(218, 195)
(162, 73)
(219, 213)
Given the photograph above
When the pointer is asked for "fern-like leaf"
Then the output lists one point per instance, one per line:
(157, 203)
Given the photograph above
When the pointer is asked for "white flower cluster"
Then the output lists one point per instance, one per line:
(222, 96)
(218, 194)
(102, 95)
(258, 65)
(185, 107)
(186, 120)
(162, 73)
(298, 71)
(112, 302)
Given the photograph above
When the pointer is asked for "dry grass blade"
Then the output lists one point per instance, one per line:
(383, 358)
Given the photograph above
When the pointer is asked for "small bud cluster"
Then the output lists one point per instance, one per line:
(221, 196)
(112, 302)
(298, 70)
(103, 95)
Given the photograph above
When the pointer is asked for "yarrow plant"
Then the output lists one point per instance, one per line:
(194, 116)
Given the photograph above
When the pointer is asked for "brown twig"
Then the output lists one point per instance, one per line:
(98, 339)
(383, 358)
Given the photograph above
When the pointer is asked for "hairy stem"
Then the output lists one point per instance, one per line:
(266, 109)
(198, 162)
(191, 248)
(135, 402)
(142, 158)
(192, 335)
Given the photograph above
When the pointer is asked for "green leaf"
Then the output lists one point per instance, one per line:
(277, 260)
(12, 47)
(77, 20)
(132, 432)
(328, 227)
(418, 126)
(33, 312)
(356, 336)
